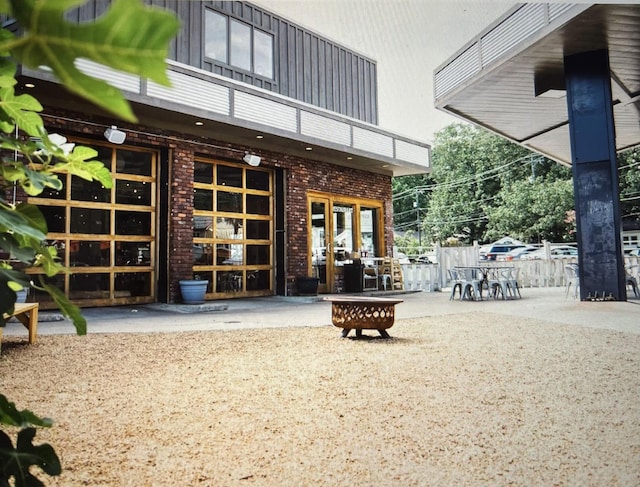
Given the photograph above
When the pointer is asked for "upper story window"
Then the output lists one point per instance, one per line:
(238, 44)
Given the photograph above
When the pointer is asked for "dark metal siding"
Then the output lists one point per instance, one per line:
(307, 67)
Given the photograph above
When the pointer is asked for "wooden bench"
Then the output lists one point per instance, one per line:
(27, 314)
(363, 313)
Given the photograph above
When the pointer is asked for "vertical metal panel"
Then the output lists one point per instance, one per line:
(307, 66)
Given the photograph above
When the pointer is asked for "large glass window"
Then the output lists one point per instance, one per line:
(232, 229)
(263, 53)
(215, 33)
(105, 236)
(239, 44)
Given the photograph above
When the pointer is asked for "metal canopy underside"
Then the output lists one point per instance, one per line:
(491, 81)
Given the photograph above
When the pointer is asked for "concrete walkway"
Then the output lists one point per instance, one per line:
(546, 304)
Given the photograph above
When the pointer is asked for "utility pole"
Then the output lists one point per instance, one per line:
(416, 205)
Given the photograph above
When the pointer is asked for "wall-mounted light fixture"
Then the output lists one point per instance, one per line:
(251, 159)
(115, 136)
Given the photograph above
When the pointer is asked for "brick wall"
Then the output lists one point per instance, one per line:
(302, 176)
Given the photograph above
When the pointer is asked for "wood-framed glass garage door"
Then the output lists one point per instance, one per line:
(105, 237)
(233, 228)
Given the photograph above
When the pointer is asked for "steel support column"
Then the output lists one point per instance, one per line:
(595, 176)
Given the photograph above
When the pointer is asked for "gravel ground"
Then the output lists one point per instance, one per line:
(464, 400)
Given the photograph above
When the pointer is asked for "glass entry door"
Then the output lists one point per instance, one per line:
(320, 248)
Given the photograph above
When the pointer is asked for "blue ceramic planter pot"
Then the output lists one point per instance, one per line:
(193, 291)
(21, 296)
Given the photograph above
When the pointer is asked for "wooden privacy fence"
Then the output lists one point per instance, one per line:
(531, 273)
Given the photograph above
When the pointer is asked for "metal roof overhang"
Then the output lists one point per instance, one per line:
(491, 82)
(236, 113)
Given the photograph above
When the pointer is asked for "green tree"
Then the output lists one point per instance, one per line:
(473, 171)
(629, 175)
(129, 37)
(533, 211)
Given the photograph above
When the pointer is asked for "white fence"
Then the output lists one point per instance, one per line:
(532, 273)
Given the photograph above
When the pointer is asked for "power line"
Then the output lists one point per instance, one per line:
(465, 180)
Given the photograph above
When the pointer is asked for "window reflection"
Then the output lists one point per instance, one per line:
(134, 162)
(258, 254)
(133, 253)
(230, 41)
(258, 229)
(129, 284)
(368, 231)
(89, 253)
(263, 53)
(133, 223)
(203, 199)
(90, 220)
(230, 202)
(257, 205)
(202, 226)
(343, 231)
(203, 254)
(203, 173)
(89, 286)
(240, 45)
(258, 180)
(55, 218)
(229, 176)
(133, 192)
(215, 35)
(83, 190)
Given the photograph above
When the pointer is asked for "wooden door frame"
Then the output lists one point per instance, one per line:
(331, 199)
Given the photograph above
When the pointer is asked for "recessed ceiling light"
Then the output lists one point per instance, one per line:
(29, 85)
(349, 158)
(308, 148)
(199, 123)
(259, 136)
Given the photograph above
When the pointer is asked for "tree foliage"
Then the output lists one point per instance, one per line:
(533, 211)
(476, 173)
(129, 37)
(629, 175)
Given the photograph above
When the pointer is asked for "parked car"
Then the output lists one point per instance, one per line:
(423, 259)
(500, 249)
(517, 253)
(556, 252)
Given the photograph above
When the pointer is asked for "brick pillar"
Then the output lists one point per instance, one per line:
(180, 218)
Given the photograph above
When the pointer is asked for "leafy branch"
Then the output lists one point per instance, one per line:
(130, 37)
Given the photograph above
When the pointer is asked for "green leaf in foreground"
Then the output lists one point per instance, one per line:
(129, 37)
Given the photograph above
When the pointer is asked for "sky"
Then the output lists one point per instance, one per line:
(408, 39)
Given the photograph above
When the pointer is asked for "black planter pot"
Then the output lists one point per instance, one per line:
(307, 286)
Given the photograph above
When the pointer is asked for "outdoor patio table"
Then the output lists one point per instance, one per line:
(363, 313)
(482, 273)
(27, 314)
